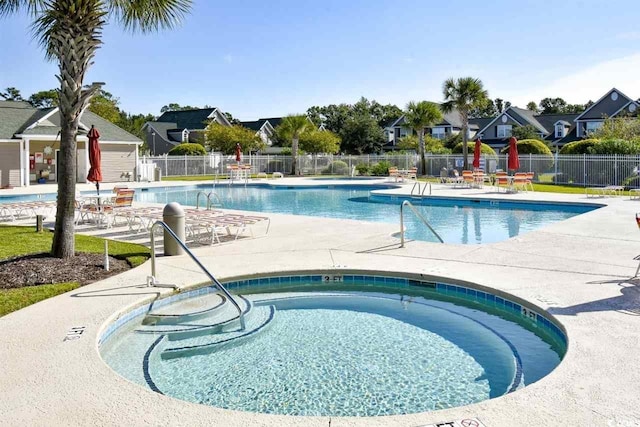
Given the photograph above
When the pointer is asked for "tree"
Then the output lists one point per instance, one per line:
(499, 104)
(361, 135)
(487, 110)
(552, 106)
(106, 106)
(463, 95)
(532, 106)
(44, 99)
(187, 149)
(419, 116)
(431, 145)
(316, 141)
(71, 31)
(526, 132)
(232, 119)
(177, 107)
(224, 138)
(11, 93)
(293, 127)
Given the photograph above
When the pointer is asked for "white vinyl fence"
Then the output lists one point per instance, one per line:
(579, 170)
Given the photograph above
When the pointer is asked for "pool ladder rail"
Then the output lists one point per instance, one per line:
(208, 197)
(420, 216)
(153, 279)
(416, 185)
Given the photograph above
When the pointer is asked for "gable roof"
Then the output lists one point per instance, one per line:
(528, 116)
(22, 119)
(15, 116)
(602, 98)
(190, 119)
(256, 124)
(274, 121)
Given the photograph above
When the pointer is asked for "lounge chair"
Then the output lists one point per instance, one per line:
(393, 173)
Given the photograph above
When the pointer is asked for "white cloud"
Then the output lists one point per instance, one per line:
(227, 58)
(587, 84)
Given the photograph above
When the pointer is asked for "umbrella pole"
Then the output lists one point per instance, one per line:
(98, 188)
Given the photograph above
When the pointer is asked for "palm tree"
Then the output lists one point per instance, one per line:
(292, 127)
(419, 116)
(463, 95)
(70, 32)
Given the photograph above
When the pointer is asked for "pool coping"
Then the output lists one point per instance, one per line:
(586, 288)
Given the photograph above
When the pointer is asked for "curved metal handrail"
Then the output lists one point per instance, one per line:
(198, 198)
(208, 196)
(419, 215)
(195, 259)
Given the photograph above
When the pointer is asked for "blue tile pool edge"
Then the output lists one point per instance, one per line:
(532, 318)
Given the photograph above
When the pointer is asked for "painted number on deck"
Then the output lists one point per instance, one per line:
(332, 278)
(467, 422)
(74, 333)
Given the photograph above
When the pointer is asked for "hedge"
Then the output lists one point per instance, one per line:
(615, 146)
(579, 147)
(484, 148)
(187, 149)
(337, 167)
(530, 146)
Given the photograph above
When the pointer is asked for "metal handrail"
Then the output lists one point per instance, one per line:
(195, 259)
(419, 215)
(208, 196)
(414, 186)
(425, 187)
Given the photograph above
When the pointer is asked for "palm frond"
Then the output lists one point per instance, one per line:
(149, 15)
(8, 7)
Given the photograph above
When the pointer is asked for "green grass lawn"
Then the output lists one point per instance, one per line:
(18, 241)
(25, 241)
(15, 299)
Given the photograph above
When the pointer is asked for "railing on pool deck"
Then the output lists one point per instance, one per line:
(208, 196)
(419, 215)
(152, 280)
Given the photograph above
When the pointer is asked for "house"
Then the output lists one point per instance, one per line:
(613, 104)
(449, 125)
(175, 127)
(559, 129)
(263, 128)
(30, 146)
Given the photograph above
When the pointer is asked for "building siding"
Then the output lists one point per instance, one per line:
(9, 164)
(491, 131)
(606, 107)
(116, 161)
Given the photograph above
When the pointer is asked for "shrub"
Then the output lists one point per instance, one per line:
(484, 149)
(615, 146)
(187, 149)
(530, 146)
(579, 147)
(381, 168)
(363, 169)
(337, 168)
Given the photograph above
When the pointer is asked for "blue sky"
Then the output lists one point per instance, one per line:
(262, 59)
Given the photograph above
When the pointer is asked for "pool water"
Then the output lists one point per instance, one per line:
(344, 353)
(455, 220)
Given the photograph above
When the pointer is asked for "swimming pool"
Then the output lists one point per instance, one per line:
(456, 220)
(340, 345)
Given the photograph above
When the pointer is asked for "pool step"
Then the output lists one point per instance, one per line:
(181, 311)
(256, 321)
(180, 327)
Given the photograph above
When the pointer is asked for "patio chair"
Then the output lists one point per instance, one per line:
(520, 181)
(393, 173)
(501, 180)
(468, 178)
(529, 183)
(412, 173)
(118, 208)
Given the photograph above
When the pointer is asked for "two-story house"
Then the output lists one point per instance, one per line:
(175, 127)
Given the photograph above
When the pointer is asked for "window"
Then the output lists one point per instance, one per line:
(504, 131)
(438, 132)
(560, 131)
(592, 127)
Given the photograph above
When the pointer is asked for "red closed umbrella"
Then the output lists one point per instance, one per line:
(513, 162)
(238, 153)
(476, 154)
(95, 171)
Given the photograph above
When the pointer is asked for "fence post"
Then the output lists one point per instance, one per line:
(584, 168)
(615, 169)
(555, 169)
(185, 165)
(530, 168)
(204, 164)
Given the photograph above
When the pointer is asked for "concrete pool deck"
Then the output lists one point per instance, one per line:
(579, 270)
